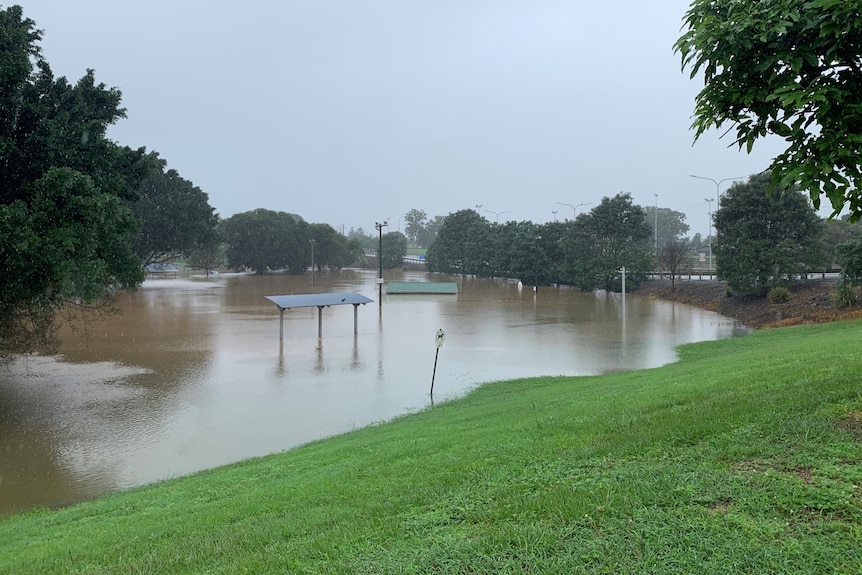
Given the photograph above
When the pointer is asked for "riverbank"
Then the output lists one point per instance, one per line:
(810, 302)
(743, 456)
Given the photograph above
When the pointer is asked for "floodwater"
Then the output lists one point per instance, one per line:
(191, 374)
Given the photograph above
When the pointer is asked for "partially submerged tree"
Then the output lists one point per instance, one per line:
(63, 222)
(792, 68)
(613, 235)
(264, 240)
(394, 250)
(176, 217)
(462, 245)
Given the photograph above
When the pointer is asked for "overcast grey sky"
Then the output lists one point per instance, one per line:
(350, 112)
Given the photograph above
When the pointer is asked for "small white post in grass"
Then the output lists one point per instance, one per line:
(439, 339)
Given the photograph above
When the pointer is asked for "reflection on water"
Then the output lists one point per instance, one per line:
(192, 374)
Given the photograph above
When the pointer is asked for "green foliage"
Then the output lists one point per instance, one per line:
(613, 235)
(845, 295)
(414, 224)
(789, 68)
(849, 256)
(778, 294)
(394, 250)
(667, 225)
(766, 240)
(331, 249)
(63, 223)
(264, 240)
(587, 253)
(176, 217)
(462, 246)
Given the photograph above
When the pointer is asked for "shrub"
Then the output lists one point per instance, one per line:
(844, 295)
(778, 295)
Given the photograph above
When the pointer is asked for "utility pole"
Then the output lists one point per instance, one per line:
(379, 227)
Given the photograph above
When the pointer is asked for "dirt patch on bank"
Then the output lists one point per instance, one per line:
(810, 302)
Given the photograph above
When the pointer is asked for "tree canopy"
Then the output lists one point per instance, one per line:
(587, 253)
(766, 240)
(792, 68)
(63, 219)
(394, 249)
(612, 235)
(176, 217)
(264, 240)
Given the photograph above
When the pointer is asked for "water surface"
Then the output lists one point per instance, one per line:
(192, 375)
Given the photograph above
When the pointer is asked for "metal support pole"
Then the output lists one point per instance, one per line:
(355, 319)
(319, 321)
(281, 324)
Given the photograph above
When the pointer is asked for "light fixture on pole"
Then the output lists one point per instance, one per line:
(709, 232)
(717, 184)
(574, 208)
(498, 214)
(379, 227)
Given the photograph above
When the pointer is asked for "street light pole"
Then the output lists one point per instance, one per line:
(574, 208)
(709, 232)
(379, 227)
(717, 184)
(655, 223)
(498, 214)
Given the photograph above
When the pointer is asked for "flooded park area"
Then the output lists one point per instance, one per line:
(191, 373)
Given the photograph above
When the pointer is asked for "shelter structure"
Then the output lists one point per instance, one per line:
(320, 301)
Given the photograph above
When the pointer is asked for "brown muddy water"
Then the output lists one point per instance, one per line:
(191, 374)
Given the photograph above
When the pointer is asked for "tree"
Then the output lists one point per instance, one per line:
(176, 217)
(462, 245)
(849, 256)
(394, 249)
(766, 240)
(668, 225)
(63, 223)
(792, 68)
(613, 235)
(264, 240)
(672, 256)
(530, 262)
(331, 249)
(414, 224)
(366, 241)
(428, 234)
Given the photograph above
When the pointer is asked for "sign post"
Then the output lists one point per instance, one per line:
(439, 339)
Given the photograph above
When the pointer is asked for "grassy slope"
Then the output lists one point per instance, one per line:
(744, 457)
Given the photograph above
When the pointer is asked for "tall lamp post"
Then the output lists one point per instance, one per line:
(709, 204)
(379, 227)
(717, 184)
(498, 214)
(574, 208)
(655, 223)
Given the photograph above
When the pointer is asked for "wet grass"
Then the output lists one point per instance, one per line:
(743, 457)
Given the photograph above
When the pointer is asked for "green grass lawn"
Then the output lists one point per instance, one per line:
(743, 457)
